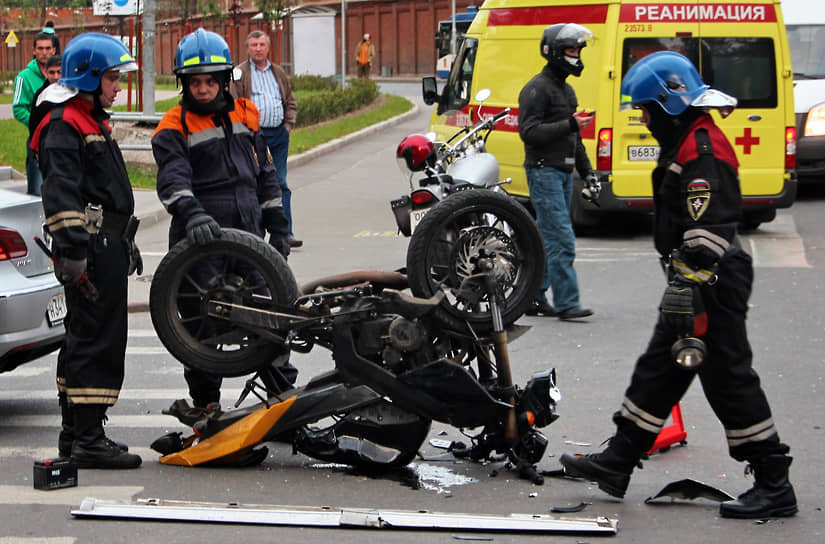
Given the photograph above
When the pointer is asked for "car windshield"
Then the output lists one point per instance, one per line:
(807, 43)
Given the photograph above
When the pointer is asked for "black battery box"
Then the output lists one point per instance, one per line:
(55, 474)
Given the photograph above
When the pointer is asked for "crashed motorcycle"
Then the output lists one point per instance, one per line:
(458, 216)
(232, 307)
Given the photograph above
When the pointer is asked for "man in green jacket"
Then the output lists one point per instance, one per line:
(26, 84)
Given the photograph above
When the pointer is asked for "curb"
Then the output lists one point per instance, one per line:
(315, 152)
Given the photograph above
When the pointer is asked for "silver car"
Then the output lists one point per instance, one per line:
(32, 303)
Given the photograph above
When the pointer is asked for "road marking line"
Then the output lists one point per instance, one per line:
(39, 454)
(37, 540)
(125, 394)
(115, 420)
(72, 496)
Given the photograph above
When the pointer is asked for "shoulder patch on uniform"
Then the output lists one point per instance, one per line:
(698, 197)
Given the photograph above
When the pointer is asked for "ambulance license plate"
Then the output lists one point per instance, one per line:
(415, 218)
(56, 310)
(643, 152)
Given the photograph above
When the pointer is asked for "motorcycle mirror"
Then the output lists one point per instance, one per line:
(483, 95)
(429, 90)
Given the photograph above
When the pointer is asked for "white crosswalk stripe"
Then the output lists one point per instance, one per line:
(774, 245)
(71, 496)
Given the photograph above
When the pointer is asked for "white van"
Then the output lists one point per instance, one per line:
(805, 24)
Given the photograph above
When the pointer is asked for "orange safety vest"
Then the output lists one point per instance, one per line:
(364, 53)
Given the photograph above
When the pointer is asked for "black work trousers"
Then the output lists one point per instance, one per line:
(91, 361)
(729, 382)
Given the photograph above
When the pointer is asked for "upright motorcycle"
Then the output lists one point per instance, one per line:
(459, 220)
(232, 307)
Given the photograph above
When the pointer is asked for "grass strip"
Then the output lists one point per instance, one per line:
(13, 135)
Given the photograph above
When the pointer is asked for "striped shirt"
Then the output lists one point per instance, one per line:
(266, 95)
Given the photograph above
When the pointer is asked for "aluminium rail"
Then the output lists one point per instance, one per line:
(136, 117)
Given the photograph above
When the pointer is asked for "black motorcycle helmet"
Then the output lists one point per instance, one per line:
(556, 38)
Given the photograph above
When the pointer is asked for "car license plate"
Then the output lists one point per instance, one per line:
(56, 311)
(643, 152)
(415, 218)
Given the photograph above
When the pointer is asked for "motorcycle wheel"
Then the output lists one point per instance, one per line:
(238, 268)
(460, 232)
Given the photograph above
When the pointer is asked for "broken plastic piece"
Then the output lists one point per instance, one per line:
(569, 509)
(691, 489)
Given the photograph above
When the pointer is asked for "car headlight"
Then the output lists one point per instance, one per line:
(815, 124)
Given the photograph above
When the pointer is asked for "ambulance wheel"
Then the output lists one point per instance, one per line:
(752, 220)
(237, 268)
(462, 235)
(579, 215)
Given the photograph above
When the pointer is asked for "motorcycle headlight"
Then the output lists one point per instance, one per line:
(815, 123)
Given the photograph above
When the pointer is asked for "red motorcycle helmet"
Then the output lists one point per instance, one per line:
(415, 152)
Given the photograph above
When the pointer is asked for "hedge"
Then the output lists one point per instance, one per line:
(335, 102)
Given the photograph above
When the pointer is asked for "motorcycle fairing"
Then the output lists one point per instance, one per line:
(415, 398)
(233, 441)
(468, 403)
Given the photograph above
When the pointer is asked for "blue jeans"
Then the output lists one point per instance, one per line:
(34, 179)
(550, 192)
(277, 140)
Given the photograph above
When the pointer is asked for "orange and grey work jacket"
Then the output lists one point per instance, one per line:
(221, 161)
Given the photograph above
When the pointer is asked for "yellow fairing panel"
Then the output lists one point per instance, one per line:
(232, 441)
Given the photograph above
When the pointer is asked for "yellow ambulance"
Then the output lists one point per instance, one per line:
(739, 47)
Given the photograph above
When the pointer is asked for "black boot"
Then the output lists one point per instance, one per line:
(66, 436)
(611, 468)
(91, 448)
(771, 495)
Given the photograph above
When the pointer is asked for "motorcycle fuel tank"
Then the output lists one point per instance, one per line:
(479, 169)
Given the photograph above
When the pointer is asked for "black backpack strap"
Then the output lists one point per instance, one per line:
(703, 145)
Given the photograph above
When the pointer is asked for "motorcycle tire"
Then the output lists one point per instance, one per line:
(238, 267)
(447, 245)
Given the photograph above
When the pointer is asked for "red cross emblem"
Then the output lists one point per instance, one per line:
(746, 141)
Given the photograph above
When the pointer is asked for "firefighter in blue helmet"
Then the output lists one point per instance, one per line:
(702, 312)
(88, 202)
(214, 169)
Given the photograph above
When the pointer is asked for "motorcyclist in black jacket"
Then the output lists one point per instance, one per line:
(550, 126)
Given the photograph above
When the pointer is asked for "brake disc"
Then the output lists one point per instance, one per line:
(487, 245)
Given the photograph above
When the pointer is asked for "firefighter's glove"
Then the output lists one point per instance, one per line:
(678, 307)
(592, 188)
(135, 260)
(201, 229)
(71, 270)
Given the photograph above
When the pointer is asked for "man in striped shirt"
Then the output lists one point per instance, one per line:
(267, 85)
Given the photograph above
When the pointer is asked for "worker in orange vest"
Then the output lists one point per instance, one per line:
(364, 55)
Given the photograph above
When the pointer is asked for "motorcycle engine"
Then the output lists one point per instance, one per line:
(393, 341)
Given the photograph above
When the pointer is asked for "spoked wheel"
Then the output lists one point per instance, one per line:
(469, 233)
(238, 268)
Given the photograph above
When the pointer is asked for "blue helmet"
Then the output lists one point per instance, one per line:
(672, 81)
(88, 55)
(202, 52)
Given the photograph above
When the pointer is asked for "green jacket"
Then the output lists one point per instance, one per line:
(26, 84)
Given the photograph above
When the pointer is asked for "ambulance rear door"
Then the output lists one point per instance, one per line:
(645, 27)
(744, 54)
